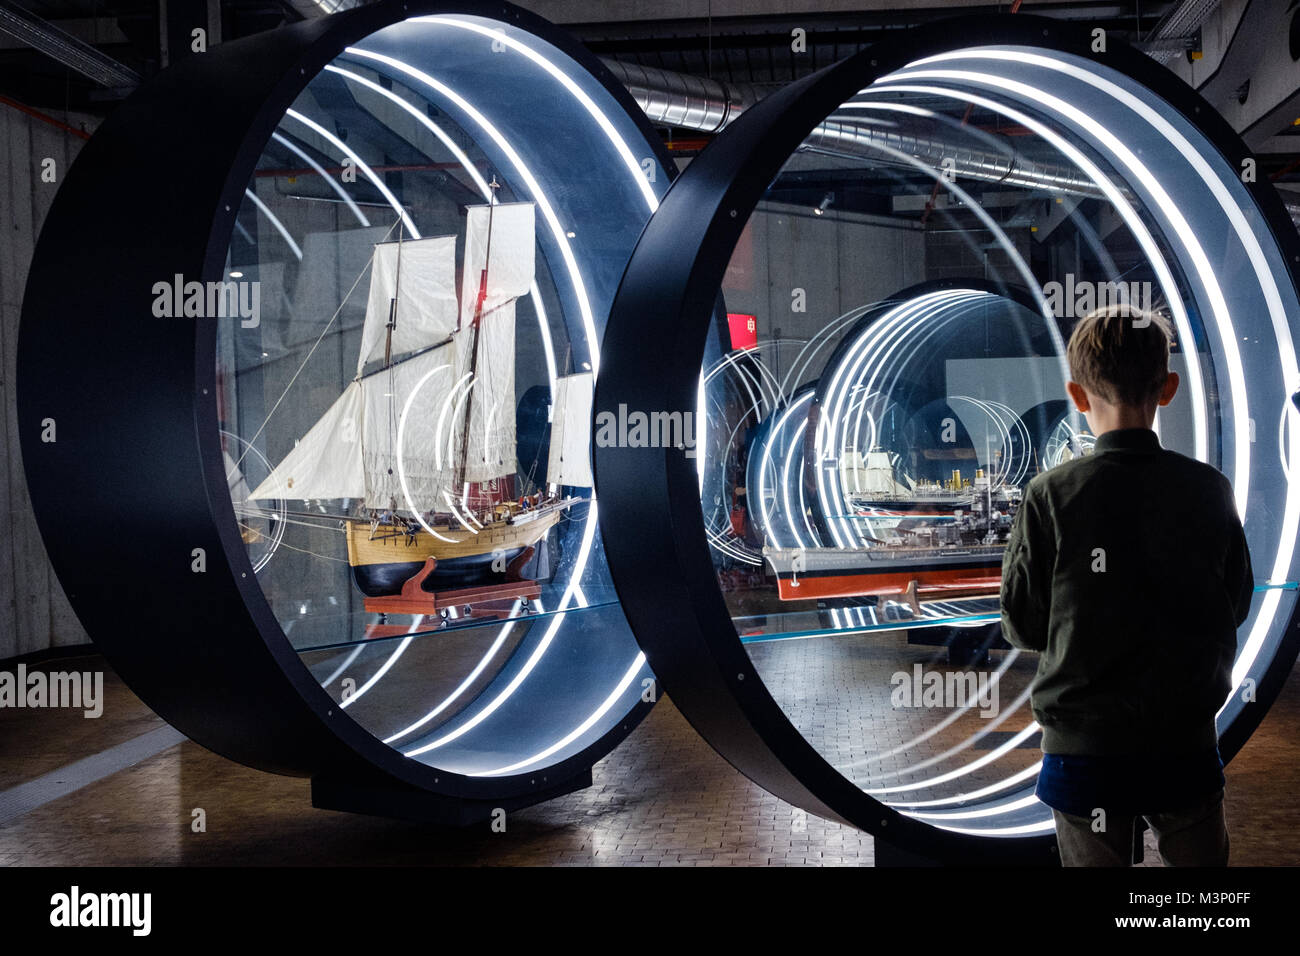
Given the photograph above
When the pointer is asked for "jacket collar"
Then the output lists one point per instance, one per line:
(1127, 439)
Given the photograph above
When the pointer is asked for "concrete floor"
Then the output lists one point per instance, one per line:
(663, 798)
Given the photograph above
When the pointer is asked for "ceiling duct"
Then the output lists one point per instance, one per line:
(692, 102)
(64, 47)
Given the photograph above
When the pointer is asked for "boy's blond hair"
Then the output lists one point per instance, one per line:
(1121, 353)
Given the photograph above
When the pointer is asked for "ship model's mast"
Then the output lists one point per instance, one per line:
(392, 303)
(475, 323)
(412, 365)
(388, 341)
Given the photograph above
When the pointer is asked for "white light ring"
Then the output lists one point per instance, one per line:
(846, 374)
(988, 758)
(1117, 200)
(619, 690)
(320, 171)
(464, 685)
(361, 164)
(1291, 517)
(617, 141)
(873, 348)
(589, 326)
(279, 226)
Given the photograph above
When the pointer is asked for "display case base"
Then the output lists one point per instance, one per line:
(390, 798)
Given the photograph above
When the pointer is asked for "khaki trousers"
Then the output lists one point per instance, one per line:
(1193, 836)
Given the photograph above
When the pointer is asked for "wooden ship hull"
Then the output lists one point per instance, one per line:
(384, 558)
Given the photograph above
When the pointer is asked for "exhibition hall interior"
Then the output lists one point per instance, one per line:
(596, 434)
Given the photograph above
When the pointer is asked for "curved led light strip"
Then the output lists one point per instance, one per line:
(968, 202)
(582, 728)
(820, 475)
(791, 452)
(437, 442)
(464, 685)
(320, 171)
(594, 111)
(761, 405)
(589, 530)
(356, 652)
(584, 305)
(874, 348)
(1020, 804)
(361, 164)
(1291, 516)
(948, 303)
(559, 233)
(378, 675)
(279, 226)
(966, 744)
(1116, 198)
(971, 767)
(1024, 776)
(820, 340)
(463, 159)
(1291, 520)
(534, 187)
(957, 714)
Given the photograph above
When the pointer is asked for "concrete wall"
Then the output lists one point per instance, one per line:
(34, 614)
(829, 264)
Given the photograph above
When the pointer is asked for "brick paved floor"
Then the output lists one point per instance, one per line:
(663, 798)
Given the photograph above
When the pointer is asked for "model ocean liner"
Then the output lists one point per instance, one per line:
(421, 444)
(929, 539)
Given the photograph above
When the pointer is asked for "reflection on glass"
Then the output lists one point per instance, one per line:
(909, 281)
(406, 420)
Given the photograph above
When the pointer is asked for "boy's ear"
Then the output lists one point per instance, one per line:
(1079, 396)
(1169, 389)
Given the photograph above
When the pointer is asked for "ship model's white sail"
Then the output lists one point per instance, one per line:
(352, 451)
(326, 462)
(490, 448)
(872, 473)
(569, 462)
(409, 408)
(416, 280)
(410, 434)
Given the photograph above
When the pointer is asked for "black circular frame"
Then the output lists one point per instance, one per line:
(133, 483)
(653, 350)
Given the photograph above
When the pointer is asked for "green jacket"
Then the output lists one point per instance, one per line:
(1128, 571)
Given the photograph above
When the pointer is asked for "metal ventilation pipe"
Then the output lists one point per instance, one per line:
(65, 48)
(692, 102)
(680, 99)
(888, 146)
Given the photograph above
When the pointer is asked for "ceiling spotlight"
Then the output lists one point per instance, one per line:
(822, 206)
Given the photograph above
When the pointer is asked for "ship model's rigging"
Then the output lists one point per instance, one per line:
(421, 444)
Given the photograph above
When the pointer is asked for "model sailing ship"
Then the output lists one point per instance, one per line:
(928, 539)
(421, 444)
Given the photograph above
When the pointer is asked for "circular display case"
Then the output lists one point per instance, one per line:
(903, 242)
(305, 389)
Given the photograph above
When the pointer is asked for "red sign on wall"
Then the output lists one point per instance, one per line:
(743, 329)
